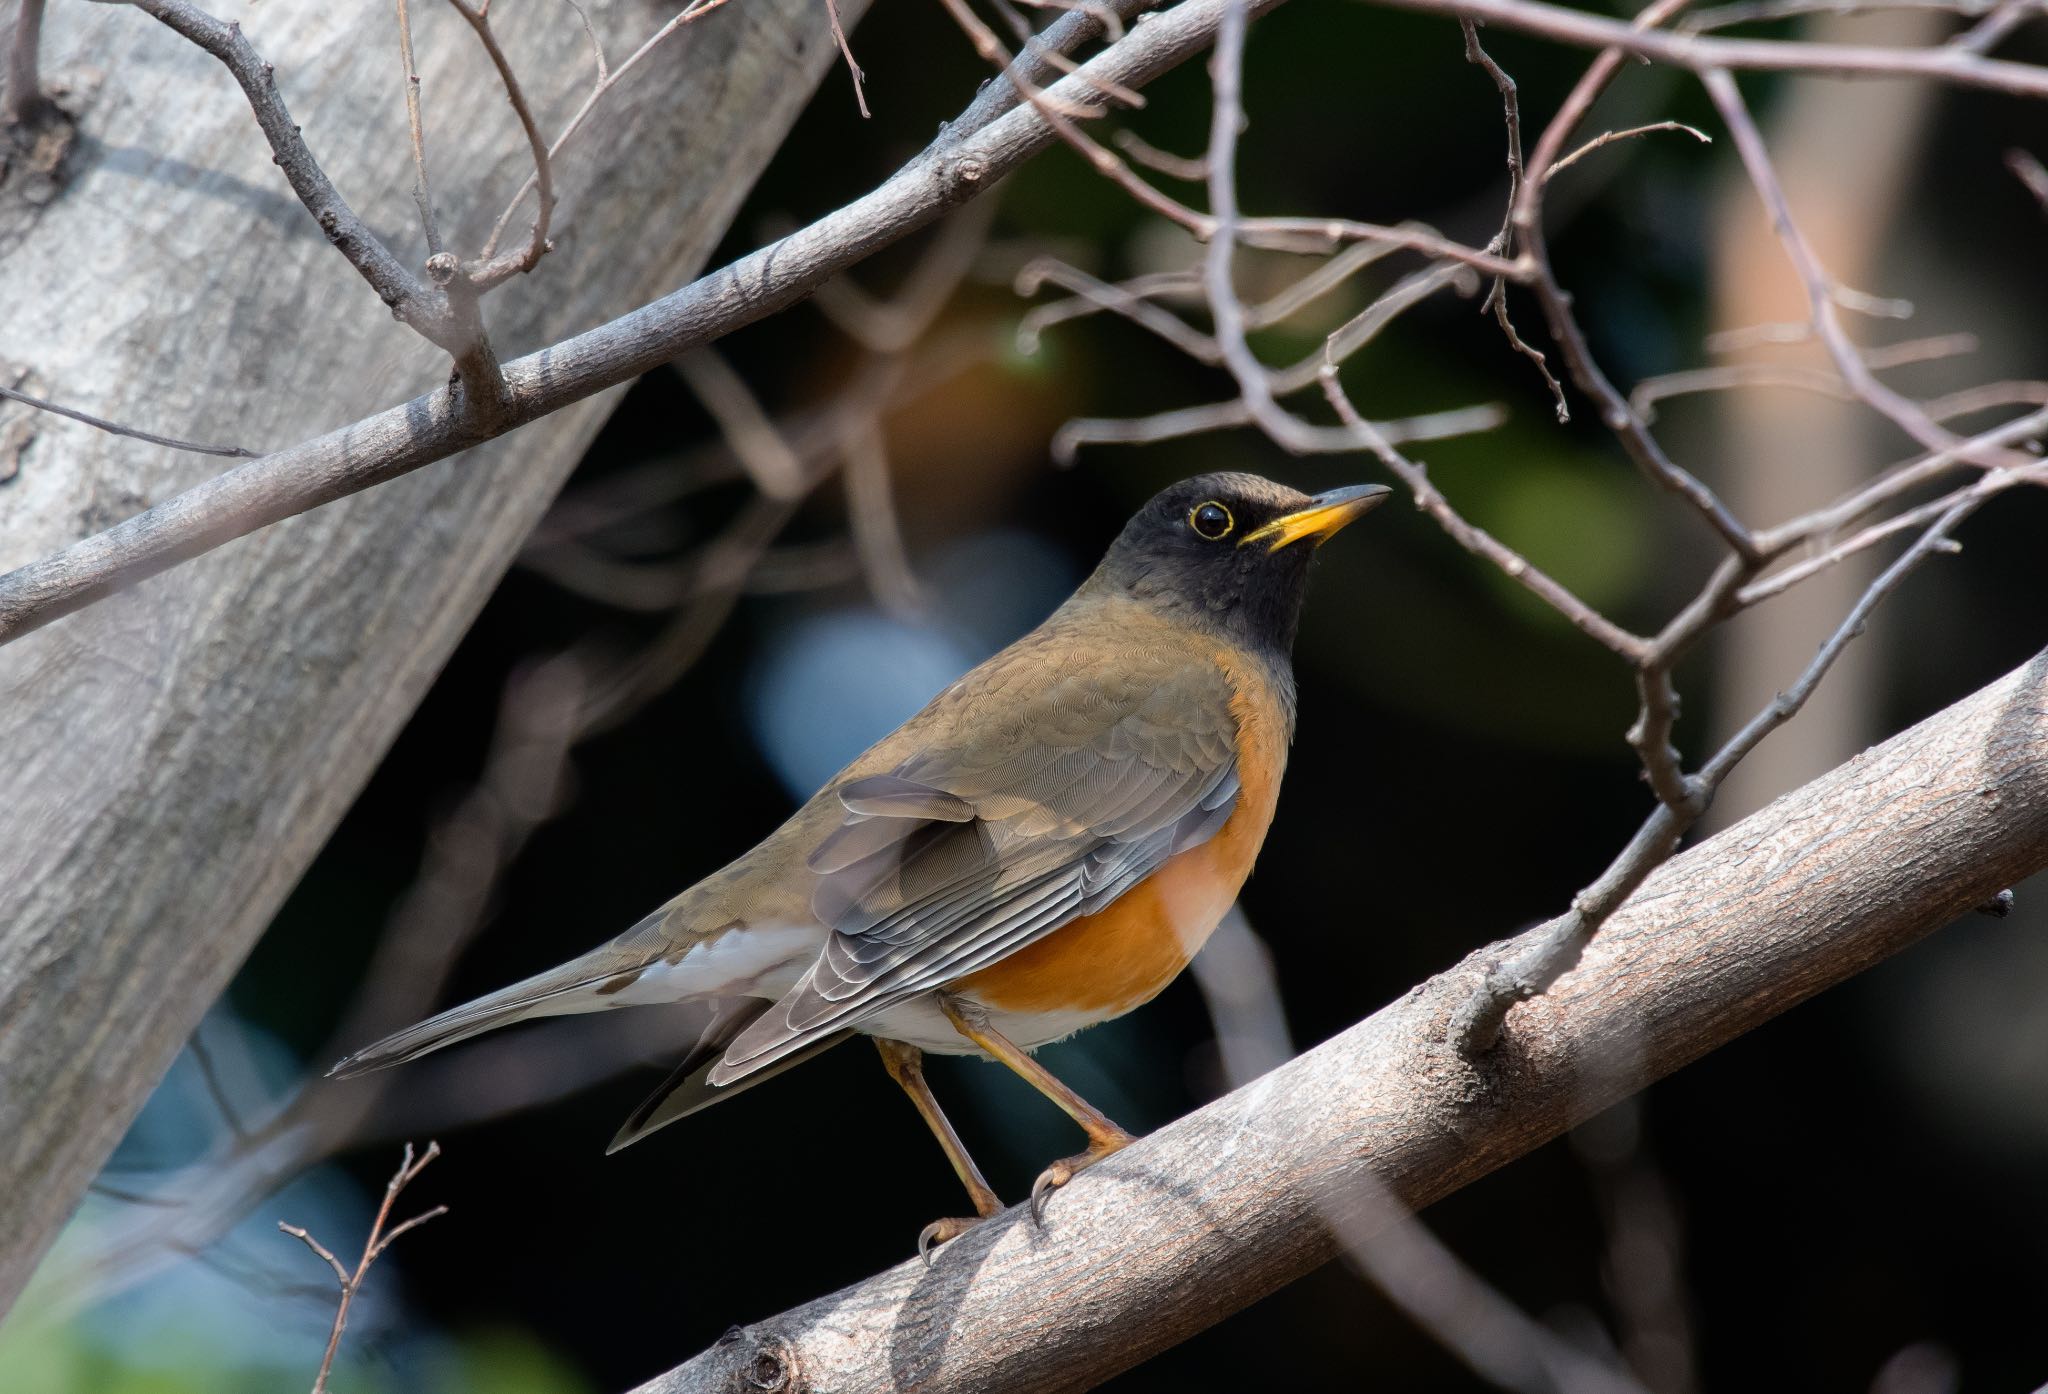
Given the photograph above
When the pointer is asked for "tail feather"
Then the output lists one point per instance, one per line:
(688, 1089)
(549, 994)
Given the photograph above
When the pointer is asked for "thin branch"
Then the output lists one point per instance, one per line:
(1478, 541)
(1700, 52)
(1558, 944)
(1821, 290)
(422, 197)
(1607, 138)
(1194, 171)
(860, 95)
(1309, 439)
(115, 428)
(1060, 110)
(379, 1240)
(1994, 28)
(1133, 305)
(1628, 427)
(766, 456)
(606, 80)
(1764, 11)
(1899, 480)
(2030, 172)
(876, 532)
(1112, 23)
(1724, 377)
(416, 304)
(1504, 240)
(496, 271)
(1997, 481)
(1028, 43)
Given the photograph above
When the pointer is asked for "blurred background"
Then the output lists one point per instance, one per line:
(1850, 1198)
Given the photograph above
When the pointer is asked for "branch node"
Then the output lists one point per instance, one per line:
(1998, 907)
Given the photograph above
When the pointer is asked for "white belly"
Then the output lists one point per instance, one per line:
(919, 1022)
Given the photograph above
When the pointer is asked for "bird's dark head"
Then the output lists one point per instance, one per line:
(1229, 552)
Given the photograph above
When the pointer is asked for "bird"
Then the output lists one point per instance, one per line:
(1043, 847)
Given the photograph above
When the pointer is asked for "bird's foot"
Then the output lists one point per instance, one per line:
(1067, 1168)
(942, 1232)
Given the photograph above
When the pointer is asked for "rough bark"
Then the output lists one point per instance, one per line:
(1247, 1194)
(171, 761)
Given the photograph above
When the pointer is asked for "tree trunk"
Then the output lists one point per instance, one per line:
(171, 759)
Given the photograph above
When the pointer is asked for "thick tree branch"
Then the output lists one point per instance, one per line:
(1241, 1197)
(435, 426)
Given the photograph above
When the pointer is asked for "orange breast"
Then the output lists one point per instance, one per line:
(1124, 955)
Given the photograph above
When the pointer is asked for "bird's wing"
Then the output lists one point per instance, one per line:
(1065, 788)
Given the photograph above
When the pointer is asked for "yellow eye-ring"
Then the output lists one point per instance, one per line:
(1211, 520)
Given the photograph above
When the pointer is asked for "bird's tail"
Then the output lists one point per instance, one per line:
(584, 984)
(688, 1088)
(554, 993)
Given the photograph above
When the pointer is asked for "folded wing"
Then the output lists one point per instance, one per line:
(1075, 786)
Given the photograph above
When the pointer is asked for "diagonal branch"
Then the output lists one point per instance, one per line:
(434, 426)
(1228, 1204)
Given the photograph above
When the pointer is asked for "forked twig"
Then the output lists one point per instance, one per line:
(380, 1239)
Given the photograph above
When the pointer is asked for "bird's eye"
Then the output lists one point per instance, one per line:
(1211, 520)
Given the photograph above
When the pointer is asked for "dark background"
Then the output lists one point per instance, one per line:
(1859, 1177)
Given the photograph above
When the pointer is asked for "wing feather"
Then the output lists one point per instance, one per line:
(1079, 781)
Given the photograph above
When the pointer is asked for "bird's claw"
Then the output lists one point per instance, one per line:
(940, 1232)
(1067, 1168)
(1050, 1180)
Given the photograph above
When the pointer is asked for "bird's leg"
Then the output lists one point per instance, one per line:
(905, 1064)
(1104, 1136)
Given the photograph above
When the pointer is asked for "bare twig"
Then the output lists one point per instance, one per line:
(1994, 28)
(2030, 172)
(1527, 215)
(115, 428)
(1478, 541)
(494, 271)
(1606, 138)
(416, 304)
(860, 95)
(1194, 171)
(875, 530)
(1555, 946)
(1822, 293)
(894, 325)
(416, 125)
(380, 1239)
(1504, 240)
(1700, 52)
(1763, 11)
(768, 460)
(1723, 377)
(607, 78)
(1309, 439)
(1028, 44)
(1060, 111)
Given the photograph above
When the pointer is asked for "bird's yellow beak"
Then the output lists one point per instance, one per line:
(1322, 520)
